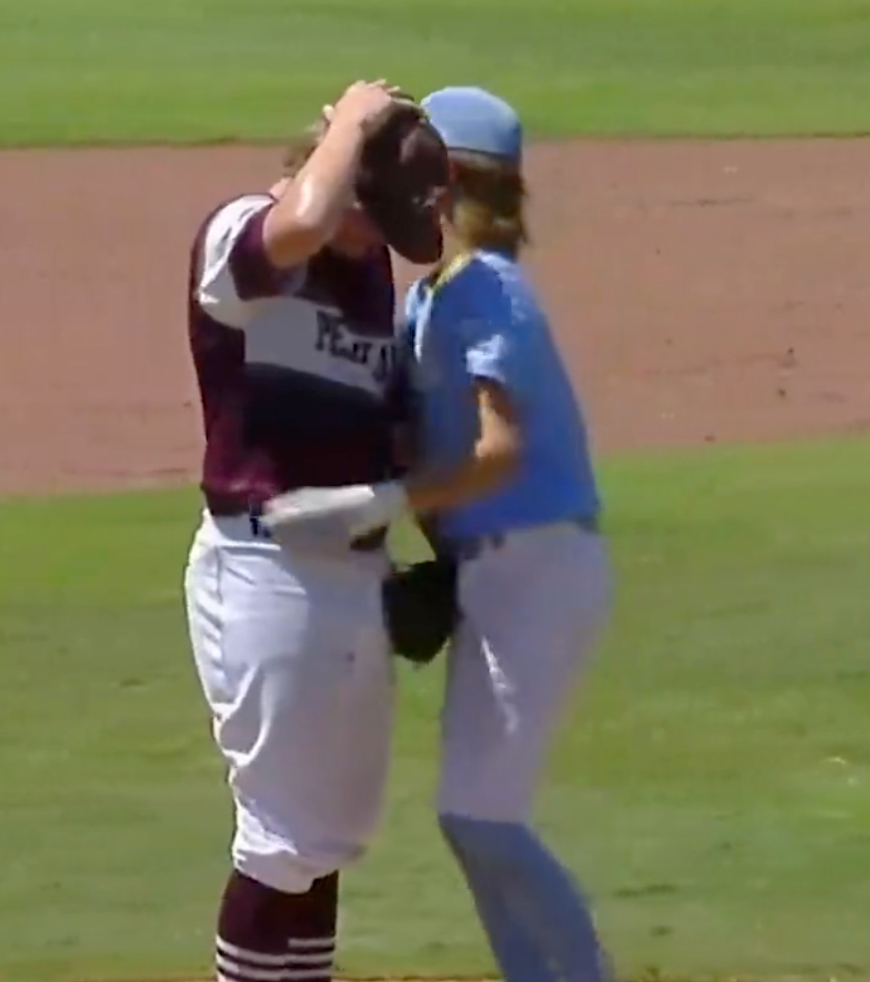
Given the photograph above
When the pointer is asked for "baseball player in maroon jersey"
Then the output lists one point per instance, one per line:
(291, 328)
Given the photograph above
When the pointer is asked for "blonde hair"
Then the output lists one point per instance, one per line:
(488, 202)
(300, 148)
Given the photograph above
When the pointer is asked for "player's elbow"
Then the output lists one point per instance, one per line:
(497, 458)
(295, 230)
(498, 448)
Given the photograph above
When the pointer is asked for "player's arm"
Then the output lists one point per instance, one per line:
(254, 242)
(280, 237)
(485, 330)
(491, 463)
(312, 204)
(310, 207)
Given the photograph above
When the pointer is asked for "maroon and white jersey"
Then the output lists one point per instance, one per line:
(297, 370)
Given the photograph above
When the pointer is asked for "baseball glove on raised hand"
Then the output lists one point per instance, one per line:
(421, 608)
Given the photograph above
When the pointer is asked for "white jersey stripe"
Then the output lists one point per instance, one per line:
(310, 338)
(216, 290)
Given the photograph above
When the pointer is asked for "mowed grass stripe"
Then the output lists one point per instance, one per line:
(103, 71)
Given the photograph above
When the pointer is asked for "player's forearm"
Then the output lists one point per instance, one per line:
(308, 212)
(361, 508)
(484, 473)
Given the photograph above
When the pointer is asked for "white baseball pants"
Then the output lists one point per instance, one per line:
(293, 659)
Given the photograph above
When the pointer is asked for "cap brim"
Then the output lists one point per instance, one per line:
(400, 193)
(414, 233)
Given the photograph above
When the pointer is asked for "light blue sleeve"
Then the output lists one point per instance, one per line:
(484, 324)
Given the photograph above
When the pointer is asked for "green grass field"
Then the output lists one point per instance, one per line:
(107, 70)
(712, 787)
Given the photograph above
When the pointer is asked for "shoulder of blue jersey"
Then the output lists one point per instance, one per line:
(476, 286)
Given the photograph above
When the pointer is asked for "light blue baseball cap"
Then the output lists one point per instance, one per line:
(470, 118)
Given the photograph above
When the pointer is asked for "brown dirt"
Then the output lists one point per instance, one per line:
(702, 291)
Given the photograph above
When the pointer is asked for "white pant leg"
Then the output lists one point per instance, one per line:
(294, 663)
(533, 609)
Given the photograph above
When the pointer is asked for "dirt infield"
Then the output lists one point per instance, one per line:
(702, 291)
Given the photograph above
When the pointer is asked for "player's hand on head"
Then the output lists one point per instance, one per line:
(363, 104)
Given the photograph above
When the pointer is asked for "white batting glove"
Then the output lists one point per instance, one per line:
(355, 509)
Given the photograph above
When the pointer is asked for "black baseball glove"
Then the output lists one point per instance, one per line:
(421, 608)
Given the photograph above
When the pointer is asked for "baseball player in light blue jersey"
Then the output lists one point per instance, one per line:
(534, 582)
(507, 482)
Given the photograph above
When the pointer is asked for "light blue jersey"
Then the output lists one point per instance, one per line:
(484, 321)
(532, 604)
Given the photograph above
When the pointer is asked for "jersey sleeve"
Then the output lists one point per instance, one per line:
(484, 324)
(234, 267)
